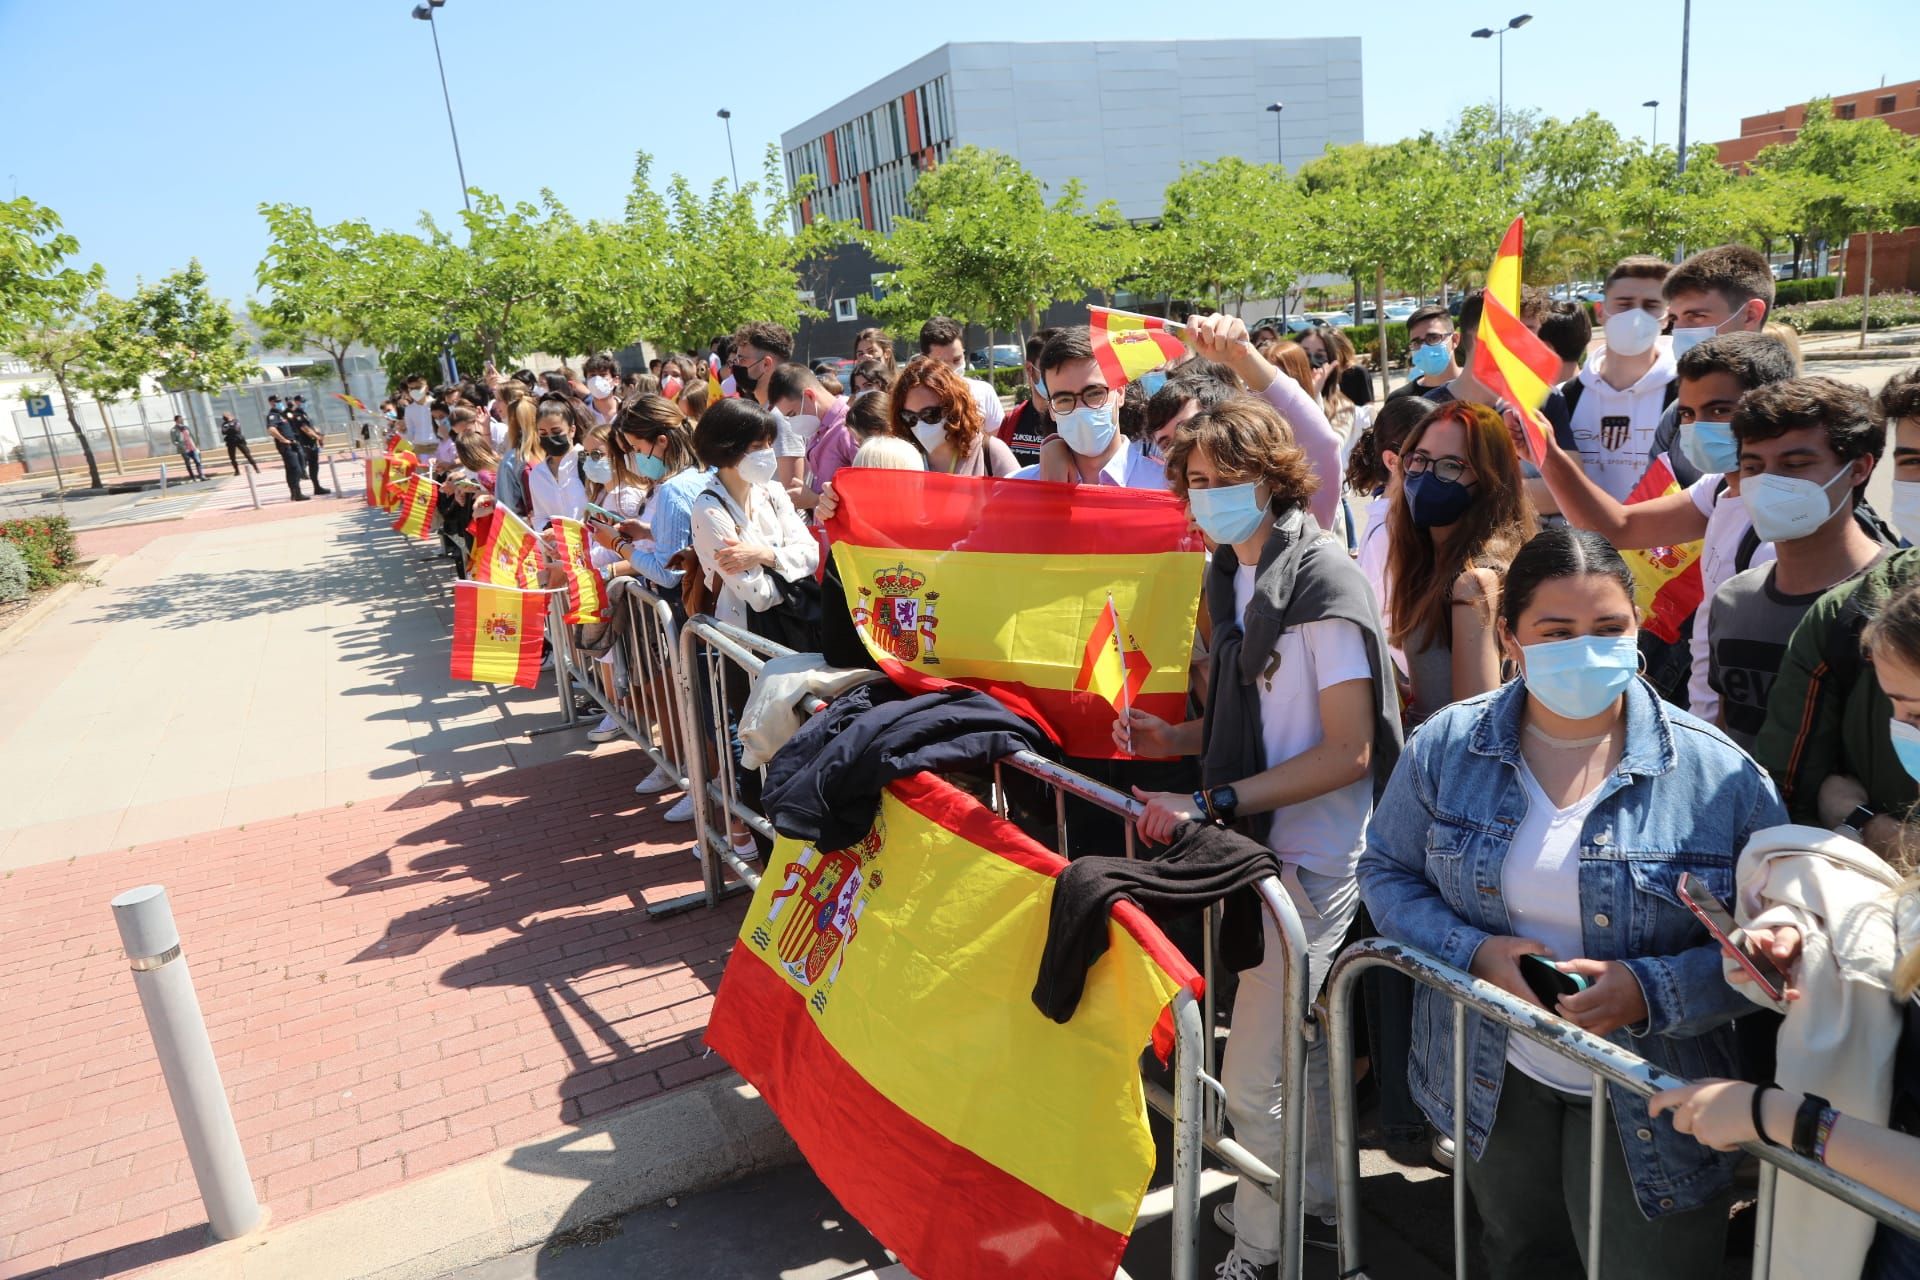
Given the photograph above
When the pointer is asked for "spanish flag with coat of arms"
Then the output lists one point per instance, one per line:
(417, 494)
(497, 633)
(1666, 580)
(879, 997)
(1002, 585)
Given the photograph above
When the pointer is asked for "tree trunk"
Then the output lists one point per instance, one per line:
(1866, 290)
(86, 447)
(1358, 298)
(1380, 321)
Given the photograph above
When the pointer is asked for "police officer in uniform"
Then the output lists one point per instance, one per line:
(308, 439)
(286, 441)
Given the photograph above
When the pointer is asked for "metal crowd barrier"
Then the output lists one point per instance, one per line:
(1607, 1063)
(707, 646)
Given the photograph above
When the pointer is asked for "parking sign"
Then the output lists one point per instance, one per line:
(39, 406)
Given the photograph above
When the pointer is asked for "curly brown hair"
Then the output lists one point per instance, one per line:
(957, 404)
(1497, 525)
(1900, 398)
(1248, 442)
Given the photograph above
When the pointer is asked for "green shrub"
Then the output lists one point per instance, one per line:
(1366, 340)
(50, 533)
(1886, 311)
(14, 580)
(1008, 382)
(1787, 293)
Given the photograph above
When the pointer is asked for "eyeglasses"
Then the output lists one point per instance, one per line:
(929, 415)
(1448, 469)
(1092, 397)
(1432, 339)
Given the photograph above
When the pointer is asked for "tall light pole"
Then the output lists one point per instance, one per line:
(1655, 104)
(727, 116)
(1279, 139)
(1686, 36)
(1490, 33)
(424, 12)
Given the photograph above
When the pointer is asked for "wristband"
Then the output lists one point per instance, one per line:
(1823, 1133)
(1806, 1124)
(1200, 802)
(1759, 1123)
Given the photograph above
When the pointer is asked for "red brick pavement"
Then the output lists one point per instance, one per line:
(392, 987)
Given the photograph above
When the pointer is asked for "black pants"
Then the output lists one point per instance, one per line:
(310, 453)
(1531, 1190)
(291, 460)
(191, 461)
(237, 450)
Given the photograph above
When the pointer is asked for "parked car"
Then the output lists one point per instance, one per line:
(1294, 322)
(1005, 355)
(840, 367)
(1398, 311)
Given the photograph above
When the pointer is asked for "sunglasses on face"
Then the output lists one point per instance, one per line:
(929, 415)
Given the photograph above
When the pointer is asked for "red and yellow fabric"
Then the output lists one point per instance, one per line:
(1112, 668)
(586, 593)
(497, 632)
(506, 552)
(1509, 359)
(376, 495)
(714, 392)
(352, 402)
(998, 585)
(879, 997)
(1666, 580)
(1126, 346)
(401, 464)
(417, 494)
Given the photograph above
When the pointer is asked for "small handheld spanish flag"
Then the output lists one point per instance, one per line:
(586, 594)
(713, 380)
(1126, 345)
(376, 481)
(497, 633)
(506, 552)
(417, 494)
(1110, 669)
(1509, 359)
(352, 402)
(1666, 580)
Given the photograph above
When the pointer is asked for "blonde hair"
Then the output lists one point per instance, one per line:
(889, 453)
(1789, 337)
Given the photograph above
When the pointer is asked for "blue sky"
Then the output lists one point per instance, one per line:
(155, 129)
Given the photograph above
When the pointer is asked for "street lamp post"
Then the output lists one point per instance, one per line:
(1686, 36)
(1655, 104)
(424, 12)
(727, 116)
(1279, 139)
(1490, 33)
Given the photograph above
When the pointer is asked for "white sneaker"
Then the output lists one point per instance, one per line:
(656, 782)
(682, 810)
(1235, 1267)
(745, 849)
(606, 731)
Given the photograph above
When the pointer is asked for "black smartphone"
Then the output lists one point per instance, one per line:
(1719, 921)
(1547, 982)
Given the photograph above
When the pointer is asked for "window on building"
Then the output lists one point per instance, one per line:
(1884, 106)
(846, 310)
(1845, 110)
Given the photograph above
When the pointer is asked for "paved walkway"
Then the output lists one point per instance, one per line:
(439, 956)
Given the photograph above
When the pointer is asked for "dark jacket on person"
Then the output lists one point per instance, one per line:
(824, 786)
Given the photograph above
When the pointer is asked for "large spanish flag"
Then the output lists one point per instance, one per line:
(879, 997)
(1509, 359)
(506, 551)
(999, 585)
(417, 494)
(1666, 580)
(497, 633)
(586, 593)
(1127, 345)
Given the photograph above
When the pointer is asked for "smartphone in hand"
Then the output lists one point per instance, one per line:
(1719, 921)
(1549, 982)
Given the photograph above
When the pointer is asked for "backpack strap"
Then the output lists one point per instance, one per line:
(1570, 391)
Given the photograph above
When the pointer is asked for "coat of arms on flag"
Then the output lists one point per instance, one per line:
(896, 620)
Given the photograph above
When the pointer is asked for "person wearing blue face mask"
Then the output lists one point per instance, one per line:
(1807, 447)
(1551, 818)
(1301, 730)
(1087, 446)
(1433, 346)
(1722, 290)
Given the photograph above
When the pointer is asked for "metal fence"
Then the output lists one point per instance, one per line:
(1606, 1063)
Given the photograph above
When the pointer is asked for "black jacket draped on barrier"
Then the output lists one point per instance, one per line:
(1204, 864)
(824, 785)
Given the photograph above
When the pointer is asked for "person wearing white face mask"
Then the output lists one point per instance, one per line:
(748, 537)
(817, 419)
(932, 407)
(1725, 289)
(1807, 445)
(1826, 737)
(603, 387)
(1616, 401)
(417, 414)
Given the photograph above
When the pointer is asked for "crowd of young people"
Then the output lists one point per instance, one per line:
(1421, 680)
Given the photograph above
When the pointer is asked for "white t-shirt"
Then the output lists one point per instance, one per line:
(1727, 525)
(787, 443)
(1325, 834)
(561, 495)
(419, 420)
(498, 430)
(1614, 428)
(1541, 880)
(989, 401)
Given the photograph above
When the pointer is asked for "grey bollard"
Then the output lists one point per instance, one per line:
(163, 477)
(251, 491)
(185, 1051)
(333, 473)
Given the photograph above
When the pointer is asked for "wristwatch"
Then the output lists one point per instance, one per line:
(1855, 823)
(1223, 804)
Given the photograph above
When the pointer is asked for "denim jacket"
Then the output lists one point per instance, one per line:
(1683, 798)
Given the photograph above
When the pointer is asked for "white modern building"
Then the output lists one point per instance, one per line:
(1121, 116)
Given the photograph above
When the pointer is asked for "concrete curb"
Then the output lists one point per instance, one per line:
(687, 1141)
(1855, 353)
(33, 617)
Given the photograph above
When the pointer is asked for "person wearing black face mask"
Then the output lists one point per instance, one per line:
(1457, 512)
(757, 348)
(557, 485)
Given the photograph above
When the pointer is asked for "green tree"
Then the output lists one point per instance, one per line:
(193, 341)
(329, 286)
(1229, 229)
(54, 316)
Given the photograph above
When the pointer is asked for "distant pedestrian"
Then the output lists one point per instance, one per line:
(308, 438)
(188, 449)
(236, 443)
(285, 441)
